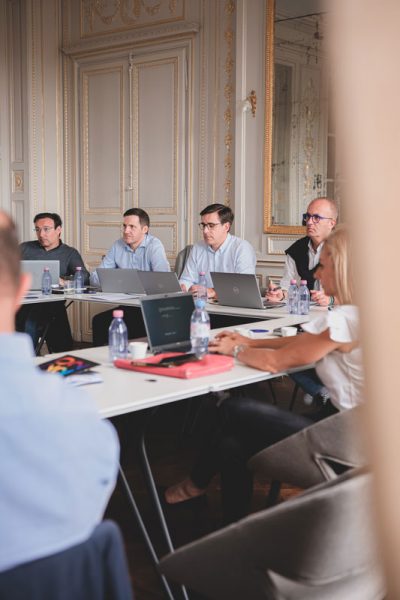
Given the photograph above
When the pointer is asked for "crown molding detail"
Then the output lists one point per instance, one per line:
(132, 37)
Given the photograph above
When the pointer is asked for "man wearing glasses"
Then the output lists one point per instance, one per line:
(48, 246)
(302, 257)
(219, 251)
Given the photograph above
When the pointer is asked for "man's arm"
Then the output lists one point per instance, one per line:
(245, 260)
(75, 260)
(108, 262)
(277, 294)
(158, 257)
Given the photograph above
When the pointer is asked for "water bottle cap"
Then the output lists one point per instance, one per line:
(201, 273)
(46, 269)
(200, 303)
(118, 314)
(79, 268)
(293, 282)
(303, 282)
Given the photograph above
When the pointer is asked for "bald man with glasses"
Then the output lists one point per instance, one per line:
(219, 250)
(302, 257)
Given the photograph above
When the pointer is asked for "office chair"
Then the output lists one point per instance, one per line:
(318, 546)
(181, 259)
(93, 570)
(313, 455)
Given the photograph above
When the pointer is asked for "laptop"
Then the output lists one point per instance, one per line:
(36, 268)
(167, 321)
(241, 290)
(123, 281)
(156, 282)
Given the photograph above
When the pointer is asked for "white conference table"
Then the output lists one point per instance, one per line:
(122, 391)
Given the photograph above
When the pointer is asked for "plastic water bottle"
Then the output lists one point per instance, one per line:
(117, 336)
(293, 298)
(202, 290)
(46, 282)
(200, 329)
(78, 280)
(304, 298)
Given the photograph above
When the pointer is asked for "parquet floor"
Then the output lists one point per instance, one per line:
(171, 455)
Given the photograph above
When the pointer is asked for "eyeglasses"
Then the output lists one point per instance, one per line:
(45, 229)
(209, 225)
(314, 218)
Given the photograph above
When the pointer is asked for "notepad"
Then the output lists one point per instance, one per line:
(67, 365)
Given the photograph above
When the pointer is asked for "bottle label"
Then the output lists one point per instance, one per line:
(200, 330)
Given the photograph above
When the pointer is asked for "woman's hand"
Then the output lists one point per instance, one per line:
(225, 342)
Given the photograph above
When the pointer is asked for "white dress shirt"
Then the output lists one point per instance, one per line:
(290, 271)
(233, 256)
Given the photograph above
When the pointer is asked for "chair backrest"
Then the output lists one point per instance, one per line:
(181, 259)
(91, 570)
(320, 539)
(309, 457)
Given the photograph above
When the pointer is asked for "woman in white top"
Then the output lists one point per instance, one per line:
(331, 341)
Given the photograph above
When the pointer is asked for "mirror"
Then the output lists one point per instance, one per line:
(299, 154)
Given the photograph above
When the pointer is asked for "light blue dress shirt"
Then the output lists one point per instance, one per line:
(149, 256)
(59, 460)
(233, 256)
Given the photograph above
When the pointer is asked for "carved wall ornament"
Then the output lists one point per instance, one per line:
(229, 64)
(18, 181)
(109, 16)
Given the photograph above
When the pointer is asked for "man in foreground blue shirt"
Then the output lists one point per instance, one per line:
(59, 460)
(219, 251)
(137, 249)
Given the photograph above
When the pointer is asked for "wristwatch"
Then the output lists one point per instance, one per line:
(237, 349)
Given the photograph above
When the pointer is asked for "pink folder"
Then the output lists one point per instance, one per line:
(209, 365)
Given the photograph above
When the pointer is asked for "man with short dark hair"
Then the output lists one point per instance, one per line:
(59, 460)
(48, 246)
(137, 249)
(220, 251)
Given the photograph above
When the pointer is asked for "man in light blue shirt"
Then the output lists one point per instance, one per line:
(137, 249)
(219, 251)
(59, 460)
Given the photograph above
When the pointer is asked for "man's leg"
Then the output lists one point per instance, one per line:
(31, 319)
(59, 336)
(133, 321)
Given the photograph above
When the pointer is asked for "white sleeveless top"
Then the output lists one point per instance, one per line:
(340, 372)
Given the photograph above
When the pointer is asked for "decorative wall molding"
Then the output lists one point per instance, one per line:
(131, 38)
(113, 16)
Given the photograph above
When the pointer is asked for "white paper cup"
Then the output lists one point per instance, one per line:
(288, 331)
(137, 349)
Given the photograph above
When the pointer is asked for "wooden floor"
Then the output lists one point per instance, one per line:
(171, 455)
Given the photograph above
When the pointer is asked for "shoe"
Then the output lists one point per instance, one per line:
(308, 399)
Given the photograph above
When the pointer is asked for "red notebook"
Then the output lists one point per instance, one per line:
(209, 365)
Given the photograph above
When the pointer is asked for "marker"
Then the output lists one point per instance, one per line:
(259, 330)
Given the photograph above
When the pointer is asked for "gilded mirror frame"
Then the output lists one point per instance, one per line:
(268, 121)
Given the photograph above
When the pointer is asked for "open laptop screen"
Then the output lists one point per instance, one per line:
(36, 268)
(167, 321)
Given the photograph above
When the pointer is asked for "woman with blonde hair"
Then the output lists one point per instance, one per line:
(331, 341)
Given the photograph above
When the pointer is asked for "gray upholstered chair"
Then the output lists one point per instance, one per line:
(318, 546)
(181, 259)
(315, 454)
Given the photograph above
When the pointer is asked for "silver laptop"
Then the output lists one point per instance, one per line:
(241, 290)
(167, 321)
(123, 281)
(156, 282)
(36, 268)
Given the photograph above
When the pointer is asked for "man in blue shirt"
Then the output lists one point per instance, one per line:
(59, 460)
(137, 249)
(219, 251)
